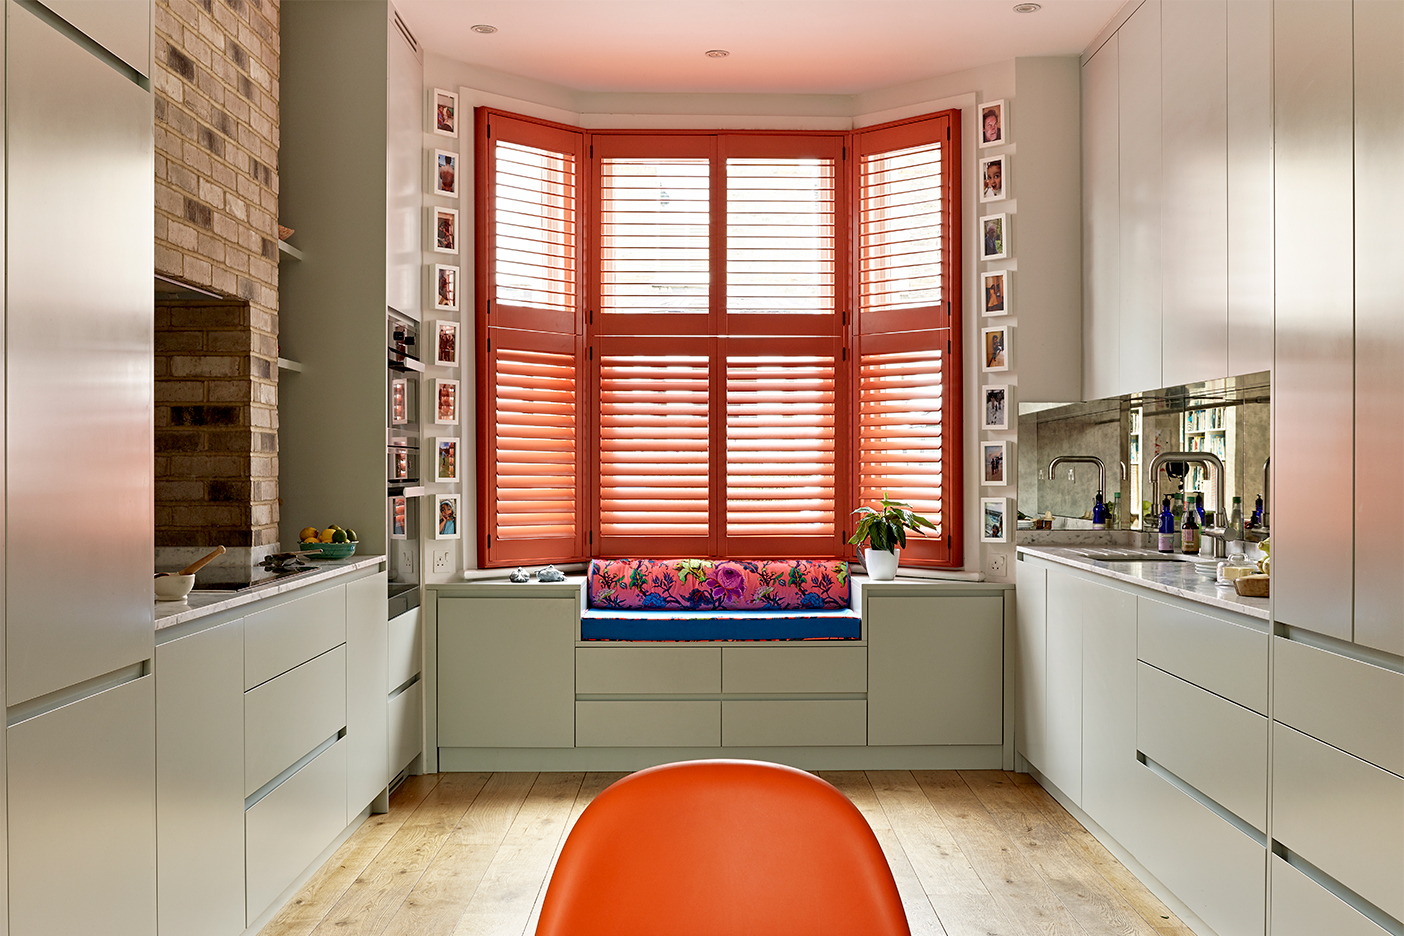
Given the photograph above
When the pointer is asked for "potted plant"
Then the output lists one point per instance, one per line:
(885, 531)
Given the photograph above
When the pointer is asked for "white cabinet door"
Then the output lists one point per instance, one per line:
(1063, 757)
(200, 782)
(1101, 238)
(1108, 708)
(1031, 614)
(1249, 186)
(367, 668)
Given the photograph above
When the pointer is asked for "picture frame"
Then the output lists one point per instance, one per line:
(446, 343)
(445, 288)
(446, 517)
(994, 292)
(399, 514)
(993, 128)
(994, 178)
(445, 454)
(995, 401)
(994, 237)
(445, 400)
(994, 514)
(446, 173)
(399, 401)
(445, 113)
(994, 344)
(446, 230)
(994, 467)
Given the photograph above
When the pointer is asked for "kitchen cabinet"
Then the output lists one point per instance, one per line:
(1063, 756)
(367, 673)
(1109, 767)
(1031, 610)
(405, 702)
(1301, 907)
(122, 27)
(1101, 237)
(200, 782)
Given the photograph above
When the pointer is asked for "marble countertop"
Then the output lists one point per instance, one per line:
(200, 604)
(1172, 578)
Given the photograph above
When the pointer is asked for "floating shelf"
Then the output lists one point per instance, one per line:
(285, 364)
(290, 250)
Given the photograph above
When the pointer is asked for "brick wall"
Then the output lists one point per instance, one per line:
(216, 83)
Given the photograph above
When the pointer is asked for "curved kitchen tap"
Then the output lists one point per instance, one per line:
(1089, 459)
(1208, 459)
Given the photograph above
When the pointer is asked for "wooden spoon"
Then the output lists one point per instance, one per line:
(197, 565)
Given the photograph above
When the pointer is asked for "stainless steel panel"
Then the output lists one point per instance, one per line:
(1379, 324)
(1194, 134)
(79, 364)
(1101, 247)
(405, 172)
(1301, 907)
(122, 27)
(82, 810)
(1313, 381)
(1250, 266)
(1141, 200)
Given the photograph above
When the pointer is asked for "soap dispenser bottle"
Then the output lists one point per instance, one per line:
(1099, 513)
(1166, 542)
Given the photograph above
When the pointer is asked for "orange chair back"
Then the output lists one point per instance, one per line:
(722, 848)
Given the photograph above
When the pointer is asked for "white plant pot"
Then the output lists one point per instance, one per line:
(881, 563)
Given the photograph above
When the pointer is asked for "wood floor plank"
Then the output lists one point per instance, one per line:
(594, 785)
(962, 902)
(301, 915)
(1098, 907)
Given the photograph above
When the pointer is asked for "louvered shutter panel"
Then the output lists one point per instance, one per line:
(655, 226)
(780, 238)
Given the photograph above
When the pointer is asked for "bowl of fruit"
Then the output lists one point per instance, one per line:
(334, 542)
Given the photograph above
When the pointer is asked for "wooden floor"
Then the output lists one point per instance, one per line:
(975, 853)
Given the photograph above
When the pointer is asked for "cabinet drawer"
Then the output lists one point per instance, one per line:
(1301, 907)
(1326, 695)
(406, 724)
(648, 724)
(291, 826)
(288, 716)
(292, 633)
(1341, 814)
(602, 670)
(405, 648)
(1230, 660)
(1215, 746)
(795, 669)
(794, 722)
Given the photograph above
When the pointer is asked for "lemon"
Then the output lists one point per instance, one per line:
(309, 533)
(339, 536)
(327, 535)
(351, 537)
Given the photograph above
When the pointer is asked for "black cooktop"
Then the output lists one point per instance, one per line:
(235, 580)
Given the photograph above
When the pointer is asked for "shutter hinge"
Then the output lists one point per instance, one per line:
(592, 537)
(489, 541)
(591, 351)
(845, 152)
(948, 133)
(489, 131)
(592, 150)
(589, 316)
(948, 541)
(845, 354)
(948, 346)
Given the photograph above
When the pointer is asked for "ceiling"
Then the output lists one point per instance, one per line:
(776, 46)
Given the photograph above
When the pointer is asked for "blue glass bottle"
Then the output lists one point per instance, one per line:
(1166, 542)
(1099, 513)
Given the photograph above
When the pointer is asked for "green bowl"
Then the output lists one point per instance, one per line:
(328, 550)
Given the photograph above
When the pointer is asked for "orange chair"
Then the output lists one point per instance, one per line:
(716, 848)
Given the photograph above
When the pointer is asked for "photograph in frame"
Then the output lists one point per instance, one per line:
(445, 173)
(993, 466)
(446, 230)
(446, 459)
(995, 292)
(996, 400)
(445, 400)
(399, 512)
(446, 343)
(994, 512)
(446, 520)
(445, 287)
(994, 124)
(994, 178)
(445, 113)
(994, 343)
(994, 237)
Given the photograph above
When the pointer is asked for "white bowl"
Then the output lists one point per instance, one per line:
(174, 587)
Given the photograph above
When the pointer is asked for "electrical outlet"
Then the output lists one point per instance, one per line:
(407, 560)
(997, 565)
(441, 561)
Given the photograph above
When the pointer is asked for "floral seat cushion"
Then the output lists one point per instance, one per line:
(719, 585)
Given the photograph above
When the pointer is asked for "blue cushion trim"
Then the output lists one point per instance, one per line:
(713, 625)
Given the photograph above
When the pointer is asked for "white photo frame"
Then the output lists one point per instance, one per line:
(399, 401)
(994, 517)
(445, 401)
(447, 522)
(993, 129)
(445, 451)
(994, 347)
(446, 343)
(995, 399)
(994, 237)
(994, 178)
(446, 230)
(445, 288)
(994, 292)
(446, 173)
(994, 466)
(445, 113)
(399, 518)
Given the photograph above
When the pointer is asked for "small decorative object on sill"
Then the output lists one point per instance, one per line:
(885, 532)
(284, 232)
(519, 576)
(550, 574)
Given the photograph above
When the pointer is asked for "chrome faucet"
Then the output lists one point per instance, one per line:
(1089, 459)
(1209, 460)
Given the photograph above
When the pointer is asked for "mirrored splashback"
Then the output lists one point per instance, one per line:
(1227, 420)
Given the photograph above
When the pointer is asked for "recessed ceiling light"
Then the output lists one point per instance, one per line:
(1027, 7)
(485, 29)
(717, 53)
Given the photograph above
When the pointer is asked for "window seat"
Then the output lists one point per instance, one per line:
(601, 624)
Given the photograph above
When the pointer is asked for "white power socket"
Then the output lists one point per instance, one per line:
(997, 566)
(441, 561)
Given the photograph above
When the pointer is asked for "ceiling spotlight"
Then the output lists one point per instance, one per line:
(1027, 7)
(487, 30)
(717, 53)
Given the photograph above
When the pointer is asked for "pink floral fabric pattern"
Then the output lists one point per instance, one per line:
(719, 585)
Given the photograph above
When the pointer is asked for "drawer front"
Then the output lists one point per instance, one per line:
(794, 722)
(406, 727)
(292, 633)
(291, 826)
(1301, 907)
(405, 648)
(795, 669)
(288, 716)
(604, 670)
(1327, 696)
(648, 724)
(1215, 746)
(1230, 660)
(1342, 815)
